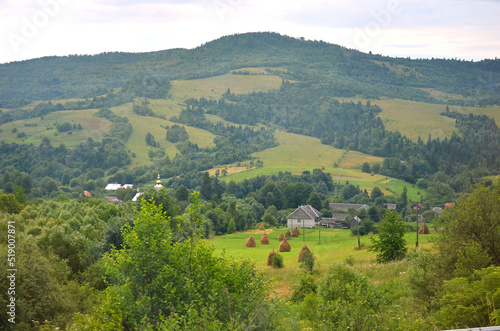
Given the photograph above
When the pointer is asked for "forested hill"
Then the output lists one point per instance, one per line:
(347, 72)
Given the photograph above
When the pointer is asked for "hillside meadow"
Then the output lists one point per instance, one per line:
(37, 128)
(327, 245)
(298, 153)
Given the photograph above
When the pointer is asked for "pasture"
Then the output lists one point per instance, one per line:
(36, 128)
(156, 126)
(297, 153)
(337, 245)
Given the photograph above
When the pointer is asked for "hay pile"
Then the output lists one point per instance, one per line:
(281, 237)
(284, 246)
(270, 257)
(435, 229)
(288, 234)
(264, 240)
(424, 229)
(262, 227)
(303, 253)
(251, 242)
(295, 232)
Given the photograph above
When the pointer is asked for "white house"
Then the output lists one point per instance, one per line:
(113, 187)
(303, 217)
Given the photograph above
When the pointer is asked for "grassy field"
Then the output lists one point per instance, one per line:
(214, 87)
(91, 127)
(336, 246)
(297, 153)
(287, 157)
(422, 119)
(144, 124)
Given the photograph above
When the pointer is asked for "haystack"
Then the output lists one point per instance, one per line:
(284, 246)
(251, 242)
(264, 240)
(270, 257)
(281, 237)
(424, 229)
(288, 234)
(435, 230)
(295, 232)
(262, 227)
(303, 253)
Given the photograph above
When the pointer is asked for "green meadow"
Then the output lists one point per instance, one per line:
(414, 119)
(214, 87)
(327, 245)
(297, 153)
(156, 126)
(36, 128)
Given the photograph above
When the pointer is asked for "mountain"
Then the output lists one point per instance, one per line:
(349, 71)
(252, 105)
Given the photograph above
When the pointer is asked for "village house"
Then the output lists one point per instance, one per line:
(336, 221)
(304, 217)
(346, 206)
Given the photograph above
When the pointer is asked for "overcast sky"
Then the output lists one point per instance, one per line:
(414, 28)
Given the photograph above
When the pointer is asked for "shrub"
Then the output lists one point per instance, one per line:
(347, 300)
(277, 261)
(270, 257)
(305, 286)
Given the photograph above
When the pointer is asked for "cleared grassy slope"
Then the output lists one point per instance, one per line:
(297, 153)
(144, 124)
(93, 127)
(336, 245)
(422, 119)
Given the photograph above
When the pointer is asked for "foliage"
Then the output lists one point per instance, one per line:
(277, 261)
(424, 279)
(472, 230)
(469, 303)
(151, 276)
(366, 226)
(307, 263)
(305, 287)
(43, 291)
(9, 204)
(390, 244)
(150, 140)
(345, 300)
(231, 227)
(177, 133)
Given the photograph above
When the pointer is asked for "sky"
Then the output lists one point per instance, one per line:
(404, 28)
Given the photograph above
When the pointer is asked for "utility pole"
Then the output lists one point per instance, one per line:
(416, 222)
(320, 225)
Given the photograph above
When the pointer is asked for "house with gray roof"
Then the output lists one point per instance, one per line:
(304, 217)
(346, 206)
(336, 221)
(438, 210)
(391, 206)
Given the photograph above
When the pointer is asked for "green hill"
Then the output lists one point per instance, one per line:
(293, 104)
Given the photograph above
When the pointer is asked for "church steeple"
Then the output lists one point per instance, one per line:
(158, 185)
